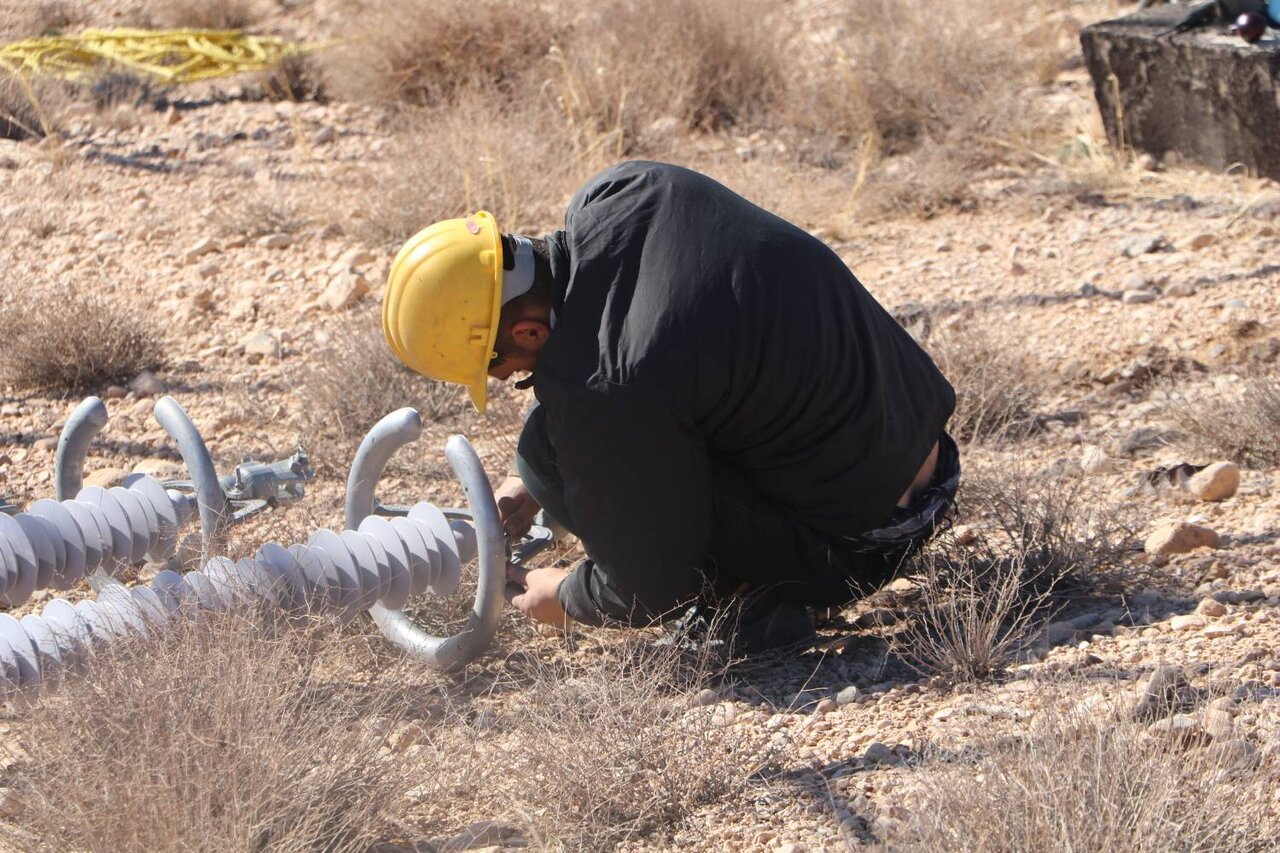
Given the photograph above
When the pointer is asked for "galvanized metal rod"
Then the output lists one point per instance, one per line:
(214, 515)
(388, 435)
(86, 421)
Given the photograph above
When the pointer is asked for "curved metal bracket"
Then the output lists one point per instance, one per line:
(214, 515)
(84, 424)
(388, 435)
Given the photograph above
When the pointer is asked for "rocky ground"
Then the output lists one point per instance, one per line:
(228, 220)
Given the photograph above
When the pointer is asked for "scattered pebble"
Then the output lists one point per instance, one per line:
(276, 241)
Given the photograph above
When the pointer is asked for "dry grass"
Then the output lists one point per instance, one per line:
(272, 213)
(427, 52)
(205, 14)
(1051, 521)
(73, 339)
(1080, 782)
(996, 389)
(346, 388)
(606, 751)
(1241, 422)
(215, 736)
(30, 109)
(977, 613)
(515, 163)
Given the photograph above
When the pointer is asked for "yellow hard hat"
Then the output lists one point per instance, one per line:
(443, 300)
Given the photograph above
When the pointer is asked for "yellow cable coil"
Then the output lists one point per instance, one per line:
(172, 56)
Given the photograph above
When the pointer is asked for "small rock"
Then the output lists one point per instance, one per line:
(260, 344)
(203, 299)
(208, 270)
(1217, 482)
(332, 231)
(1211, 607)
(345, 290)
(1139, 297)
(276, 241)
(1219, 630)
(825, 706)
(324, 135)
(106, 478)
(1186, 621)
(207, 246)
(46, 443)
(1143, 246)
(106, 237)
(1181, 289)
(704, 697)
(1016, 268)
(1163, 692)
(1202, 241)
(115, 392)
(1217, 724)
(1182, 729)
(878, 753)
(1144, 438)
(406, 736)
(1180, 537)
(1134, 281)
(1234, 754)
(354, 259)
(848, 695)
(147, 384)
(964, 534)
(160, 469)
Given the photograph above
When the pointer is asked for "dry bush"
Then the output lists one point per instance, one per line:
(205, 14)
(515, 162)
(996, 391)
(1242, 423)
(258, 216)
(708, 64)
(1086, 783)
(427, 52)
(609, 752)
(71, 339)
(977, 614)
(213, 736)
(944, 84)
(30, 108)
(346, 388)
(1052, 522)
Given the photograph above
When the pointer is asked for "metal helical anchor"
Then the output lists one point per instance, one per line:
(394, 431)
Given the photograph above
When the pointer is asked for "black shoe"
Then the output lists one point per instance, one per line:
(775, 626)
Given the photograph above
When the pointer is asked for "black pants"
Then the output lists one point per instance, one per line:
(755, 541)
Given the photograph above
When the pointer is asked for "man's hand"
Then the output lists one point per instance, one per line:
(516, 507)
(536, 594)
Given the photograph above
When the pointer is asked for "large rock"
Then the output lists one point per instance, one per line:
(1180, 538)
(1205, 95)
(1216, 483)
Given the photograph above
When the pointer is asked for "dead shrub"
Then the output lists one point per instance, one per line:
(214, 735)
(1082, 782)
(977, 612)
(995, 390)
(707, 65)
(205, 14)
(347, 387)
(427, 52)
(30, 108)
(1050, 520)
(927, 79)
(609, 752)
(514, 162)
(71, 339)
(1241, 422)
(259, 216)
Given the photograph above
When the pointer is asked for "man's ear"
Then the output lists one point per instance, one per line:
(530, 335)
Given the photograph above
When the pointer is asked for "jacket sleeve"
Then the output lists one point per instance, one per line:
(638, 487)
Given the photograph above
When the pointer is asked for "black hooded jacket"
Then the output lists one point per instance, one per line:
(694, 330)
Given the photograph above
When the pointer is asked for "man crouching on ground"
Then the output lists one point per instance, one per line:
(726, 418)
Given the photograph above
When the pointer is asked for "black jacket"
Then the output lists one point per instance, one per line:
(694, 329)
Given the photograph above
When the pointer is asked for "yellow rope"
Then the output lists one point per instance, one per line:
(172, 56)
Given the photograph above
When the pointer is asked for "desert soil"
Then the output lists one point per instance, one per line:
(1166, 276)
